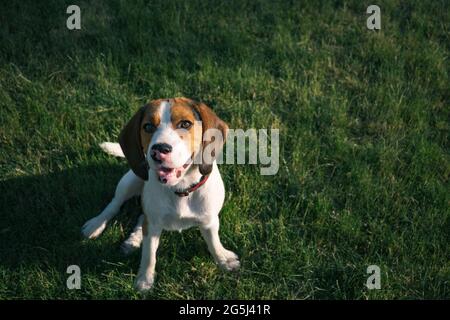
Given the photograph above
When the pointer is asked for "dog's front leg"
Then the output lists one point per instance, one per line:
(226, 259)
(150, 242)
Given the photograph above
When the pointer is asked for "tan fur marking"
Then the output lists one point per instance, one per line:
(153, 116)
(182, 110)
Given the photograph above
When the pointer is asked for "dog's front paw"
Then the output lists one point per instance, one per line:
(93, 228)
(144, 283)
(229, 261)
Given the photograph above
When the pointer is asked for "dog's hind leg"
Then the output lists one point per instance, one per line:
(134, 241)
(129, 185)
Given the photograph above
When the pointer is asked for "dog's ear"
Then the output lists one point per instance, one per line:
(210, 121)
(130, 141)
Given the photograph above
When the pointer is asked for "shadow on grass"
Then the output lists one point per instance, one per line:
(42, 217)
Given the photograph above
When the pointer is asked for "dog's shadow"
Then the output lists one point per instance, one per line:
(41, 219)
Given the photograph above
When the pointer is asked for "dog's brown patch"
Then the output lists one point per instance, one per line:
(182, 109)
(153, 116)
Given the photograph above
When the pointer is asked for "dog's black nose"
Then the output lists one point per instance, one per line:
(162, 147)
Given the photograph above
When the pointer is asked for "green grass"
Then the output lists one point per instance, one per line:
(364, 127)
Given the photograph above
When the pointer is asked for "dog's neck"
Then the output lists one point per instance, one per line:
(191, 177)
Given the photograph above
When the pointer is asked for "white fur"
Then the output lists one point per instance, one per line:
(129, 186)
(165, 210)
(166, 134)
(113, 149)
(135, 238)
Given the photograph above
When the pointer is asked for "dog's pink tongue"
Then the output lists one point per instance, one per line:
(164, 174)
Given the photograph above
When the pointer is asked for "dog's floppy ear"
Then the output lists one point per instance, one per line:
(130, 141)
(210, 121)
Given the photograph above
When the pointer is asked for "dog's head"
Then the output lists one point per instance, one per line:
(167, 135)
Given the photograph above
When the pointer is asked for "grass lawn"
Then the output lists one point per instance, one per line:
(364, 145)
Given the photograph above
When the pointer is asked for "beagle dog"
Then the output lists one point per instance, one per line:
(180, 186)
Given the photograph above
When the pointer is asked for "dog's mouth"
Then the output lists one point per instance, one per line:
(166, 174)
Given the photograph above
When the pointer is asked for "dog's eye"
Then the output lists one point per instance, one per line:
(184, 124)
(149, 128)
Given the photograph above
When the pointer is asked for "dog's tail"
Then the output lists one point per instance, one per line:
(112, 148)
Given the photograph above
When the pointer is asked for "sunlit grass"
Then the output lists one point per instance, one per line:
(363, 119)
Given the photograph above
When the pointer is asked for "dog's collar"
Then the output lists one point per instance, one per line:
(192, 188)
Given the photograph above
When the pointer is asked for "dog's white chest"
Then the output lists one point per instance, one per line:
(173, 213)
(185, 214)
